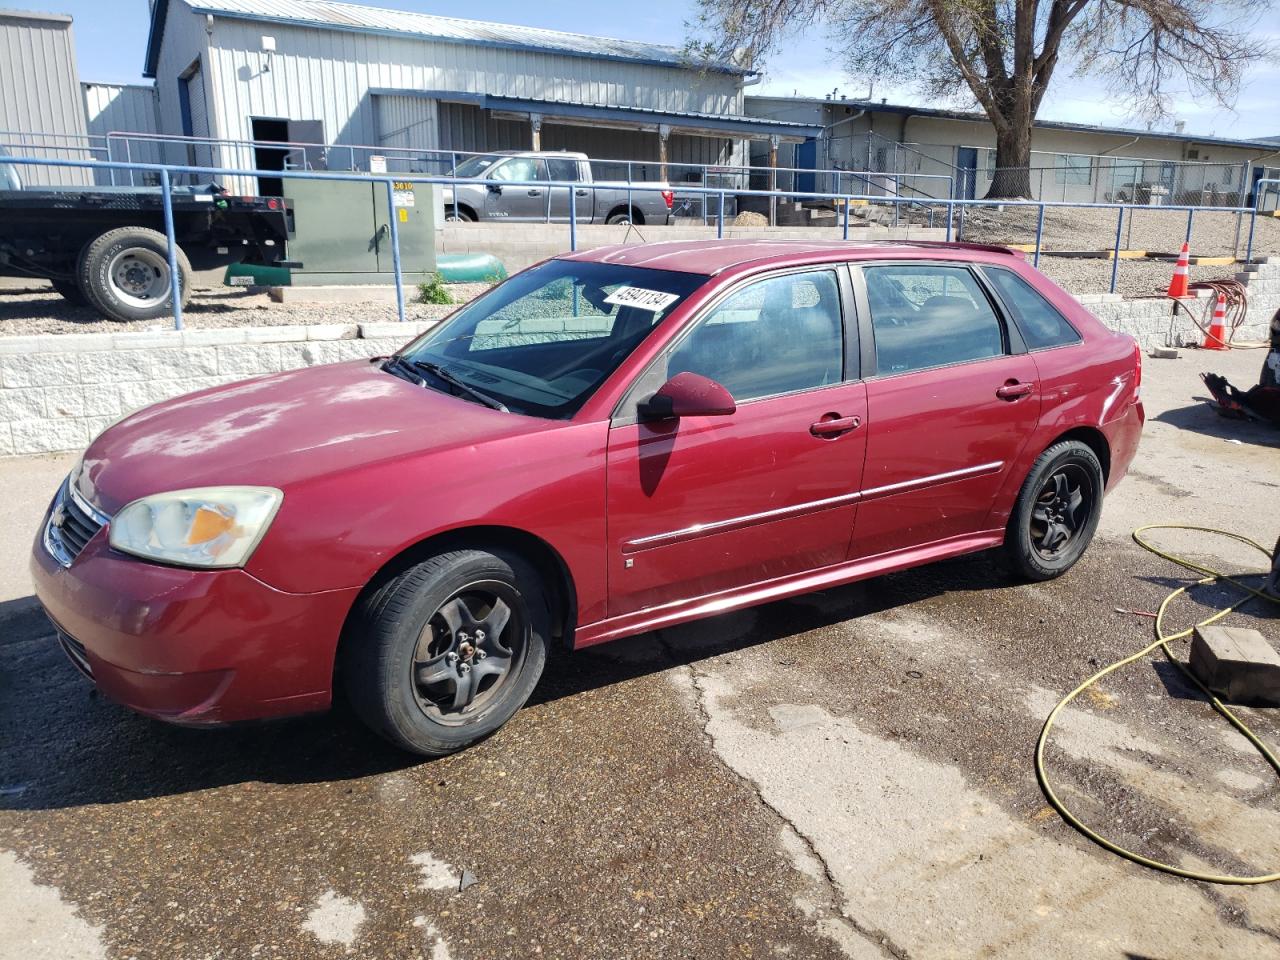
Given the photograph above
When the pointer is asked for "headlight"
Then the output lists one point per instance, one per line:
(207, 527)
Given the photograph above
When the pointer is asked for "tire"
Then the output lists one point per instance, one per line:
(1047, 534)
(70, 291)
(403, 661)
(124, 273)
(463, 215)
(623, 217)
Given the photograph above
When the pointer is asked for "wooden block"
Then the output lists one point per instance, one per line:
(1237, 664)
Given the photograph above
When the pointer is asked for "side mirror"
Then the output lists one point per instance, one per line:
(688, 395)
(493, 188)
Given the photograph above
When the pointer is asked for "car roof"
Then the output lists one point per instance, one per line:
(710, 257)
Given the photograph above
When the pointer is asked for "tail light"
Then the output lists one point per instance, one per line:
(669, 198)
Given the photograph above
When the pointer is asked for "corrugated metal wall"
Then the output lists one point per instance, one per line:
(123, 108)
(326, 75)
(40, 94)
(184, 44)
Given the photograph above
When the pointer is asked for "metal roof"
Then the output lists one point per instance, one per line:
(974, 117)
(638, 116)
(7, 14)
(346, 16)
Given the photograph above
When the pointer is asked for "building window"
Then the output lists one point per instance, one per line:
(1073, 168)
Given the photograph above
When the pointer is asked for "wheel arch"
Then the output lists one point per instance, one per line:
(463, 208)
(547, 560)
(632, 211)
(1095, 440)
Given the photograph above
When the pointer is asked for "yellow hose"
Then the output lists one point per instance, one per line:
(1162, 641)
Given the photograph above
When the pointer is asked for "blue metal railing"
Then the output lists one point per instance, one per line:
(165, 173)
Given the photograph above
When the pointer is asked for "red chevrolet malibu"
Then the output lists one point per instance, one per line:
(608, 443)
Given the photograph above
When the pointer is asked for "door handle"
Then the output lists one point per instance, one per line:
(581, 193)
(1013, 390)
(535, 193)
(832, 425)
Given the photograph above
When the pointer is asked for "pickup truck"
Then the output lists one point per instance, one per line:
(496, 199)
(105, 247)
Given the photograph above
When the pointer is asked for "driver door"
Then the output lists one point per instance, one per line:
(702, 505)
(505, 200)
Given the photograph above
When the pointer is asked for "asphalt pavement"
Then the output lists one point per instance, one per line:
(843, 774)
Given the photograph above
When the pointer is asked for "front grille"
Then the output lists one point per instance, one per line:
(72, 524)
(74, 650)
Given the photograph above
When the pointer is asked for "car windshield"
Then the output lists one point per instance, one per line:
(545, 340)
(475, 166)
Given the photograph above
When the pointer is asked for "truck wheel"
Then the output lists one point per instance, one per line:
(446, 652)
(623, 217)
(125, 274)
(70, 291)
(461, 215)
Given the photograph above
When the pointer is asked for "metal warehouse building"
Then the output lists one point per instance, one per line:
(313, 71)
(1070, 161)
(41, 111)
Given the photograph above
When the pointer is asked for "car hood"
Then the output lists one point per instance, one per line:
(282, 430)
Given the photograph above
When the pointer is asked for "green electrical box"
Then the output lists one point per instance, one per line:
(342, 232)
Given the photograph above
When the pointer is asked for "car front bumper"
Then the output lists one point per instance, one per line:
(190, 646)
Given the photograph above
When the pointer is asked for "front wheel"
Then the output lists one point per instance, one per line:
(1056, 513)
(446, 652)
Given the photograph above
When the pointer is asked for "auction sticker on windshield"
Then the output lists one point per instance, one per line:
(653, 300)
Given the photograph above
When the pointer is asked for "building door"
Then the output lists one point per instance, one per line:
(966, 172)
(806, 158)
(195, 120)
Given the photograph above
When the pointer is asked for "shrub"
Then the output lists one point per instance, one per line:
(433, 290)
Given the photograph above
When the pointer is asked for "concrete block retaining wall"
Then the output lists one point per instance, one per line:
(58, 391)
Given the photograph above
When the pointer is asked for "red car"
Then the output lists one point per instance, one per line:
(607, 443)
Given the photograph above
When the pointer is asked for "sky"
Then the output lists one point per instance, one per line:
(111, 38)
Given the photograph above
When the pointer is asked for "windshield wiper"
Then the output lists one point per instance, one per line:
(440, 373)
(401, 368)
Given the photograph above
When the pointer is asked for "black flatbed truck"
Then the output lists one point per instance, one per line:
(105, 246)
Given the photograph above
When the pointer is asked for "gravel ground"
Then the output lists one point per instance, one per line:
(1213, 234)
(35, 308)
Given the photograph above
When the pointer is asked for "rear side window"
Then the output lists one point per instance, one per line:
(562, 168)
(1040, 323)
(929, 315)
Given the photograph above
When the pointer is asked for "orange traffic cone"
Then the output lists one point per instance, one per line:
(1216, 338)
(1178, 285)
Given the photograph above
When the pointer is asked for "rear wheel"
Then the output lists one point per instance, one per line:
(1057, 511)
(622, 216)
(124, 273)
(446, 652)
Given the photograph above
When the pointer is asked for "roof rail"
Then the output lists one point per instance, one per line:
(968, 245)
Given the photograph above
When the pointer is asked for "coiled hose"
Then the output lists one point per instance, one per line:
(1237, 308)
(1162, 641)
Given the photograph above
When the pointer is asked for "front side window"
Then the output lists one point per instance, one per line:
(520, 169)
(474, 167)
(929, 315)
(545, 340)
(1040, 324)
(774, 336)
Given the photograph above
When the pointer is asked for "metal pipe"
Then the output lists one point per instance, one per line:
(1115, 258)
(1035, 262)
(720, 219)
(573, 218)
(393, 219)
(171, 243)
(847, 204)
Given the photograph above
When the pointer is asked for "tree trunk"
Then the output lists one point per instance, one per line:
(1012, 179)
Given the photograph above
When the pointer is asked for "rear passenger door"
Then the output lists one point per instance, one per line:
(952, 399)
